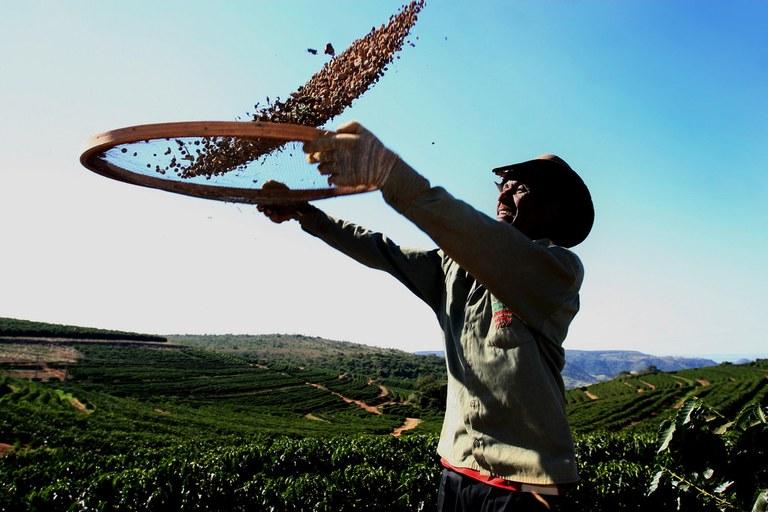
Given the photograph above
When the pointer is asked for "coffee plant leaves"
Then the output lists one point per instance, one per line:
(761, 503)
(706, 462)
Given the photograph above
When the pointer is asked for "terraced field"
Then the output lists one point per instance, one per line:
(119, 424)
(159, 428)
(236, 388)
(642, 401)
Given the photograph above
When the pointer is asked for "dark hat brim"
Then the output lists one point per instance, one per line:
(557, 178)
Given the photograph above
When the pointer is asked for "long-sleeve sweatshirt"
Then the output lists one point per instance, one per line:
(504, 303)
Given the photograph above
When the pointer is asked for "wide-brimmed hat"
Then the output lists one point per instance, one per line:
(551, 175)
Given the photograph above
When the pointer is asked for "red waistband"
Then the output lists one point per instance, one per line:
(502, 483)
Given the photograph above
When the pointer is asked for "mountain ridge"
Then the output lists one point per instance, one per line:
(585, 367)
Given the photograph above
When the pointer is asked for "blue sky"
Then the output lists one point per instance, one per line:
(661, 107)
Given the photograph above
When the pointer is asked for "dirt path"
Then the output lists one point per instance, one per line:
(410, 424)
(591, 395)
(703, 382)
(79, 406)
(5, 448)
(312, 417)
(383, 391)
(369, 408)
(682, 381)
(21, 354)
(652, 386)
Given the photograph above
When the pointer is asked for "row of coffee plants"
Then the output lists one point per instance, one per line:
(190, 434)
(700, 462)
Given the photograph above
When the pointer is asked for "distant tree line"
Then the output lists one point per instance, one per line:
(11, 327)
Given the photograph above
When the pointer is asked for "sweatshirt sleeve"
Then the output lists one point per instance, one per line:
(532, 279)
(420, 271)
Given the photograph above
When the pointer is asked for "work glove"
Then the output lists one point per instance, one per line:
(279, 213)
(352, 156)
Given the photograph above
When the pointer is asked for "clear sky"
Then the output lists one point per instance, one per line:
(660, 105)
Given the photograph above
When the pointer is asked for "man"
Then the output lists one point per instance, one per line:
(504, 292)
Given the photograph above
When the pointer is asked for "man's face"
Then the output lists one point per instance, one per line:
(514, 196)
(528, 210)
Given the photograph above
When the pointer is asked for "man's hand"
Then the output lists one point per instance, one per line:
(351, 156)
(280, 213)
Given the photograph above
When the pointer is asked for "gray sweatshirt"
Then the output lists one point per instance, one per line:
(504, 303)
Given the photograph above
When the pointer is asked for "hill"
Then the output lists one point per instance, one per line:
(115, 397)
(340, 356)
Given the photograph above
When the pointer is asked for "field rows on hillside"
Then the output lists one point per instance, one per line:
(642, 401)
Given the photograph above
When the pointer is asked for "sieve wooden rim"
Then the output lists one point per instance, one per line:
(98, 144)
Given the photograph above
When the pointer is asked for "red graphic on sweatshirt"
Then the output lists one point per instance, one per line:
(502, 315)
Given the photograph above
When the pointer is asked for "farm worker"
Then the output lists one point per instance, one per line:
(504, 291)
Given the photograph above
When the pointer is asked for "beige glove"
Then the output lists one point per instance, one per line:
(351, 156)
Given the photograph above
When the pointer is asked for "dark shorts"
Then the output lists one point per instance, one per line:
(460, 493)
